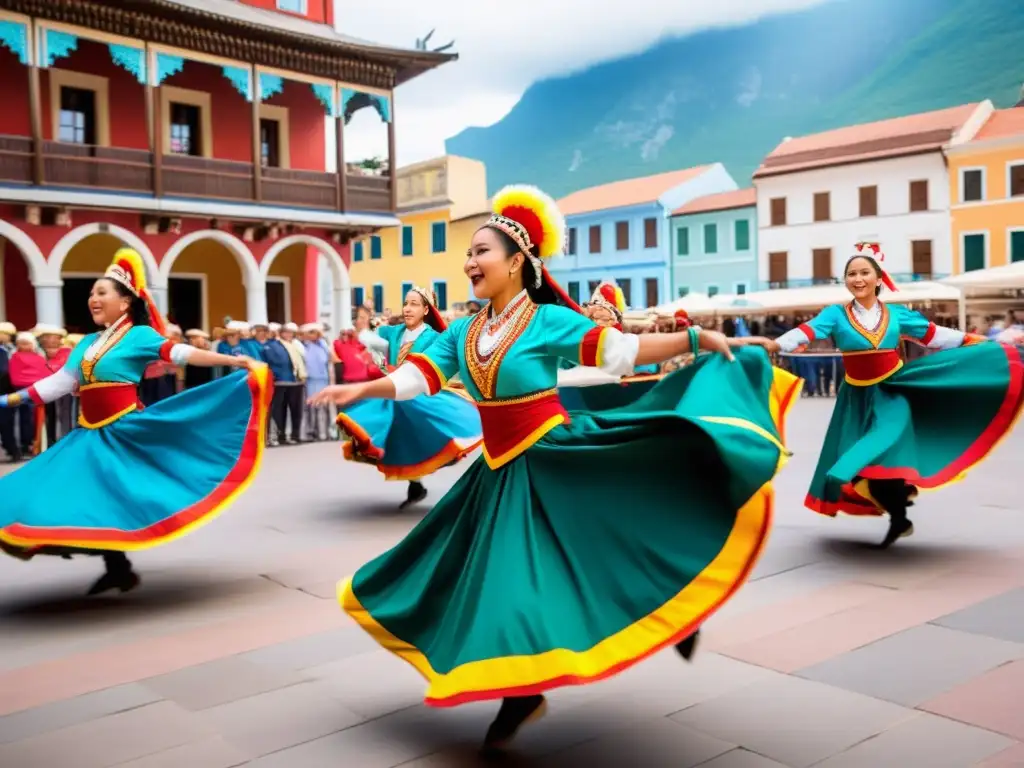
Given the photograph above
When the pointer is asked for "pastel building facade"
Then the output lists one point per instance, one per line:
(621, 232)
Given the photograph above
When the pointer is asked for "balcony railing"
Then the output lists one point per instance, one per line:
(132, 170)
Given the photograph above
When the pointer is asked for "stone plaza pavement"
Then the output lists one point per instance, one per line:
(234, 652)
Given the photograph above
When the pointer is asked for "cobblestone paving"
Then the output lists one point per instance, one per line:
(233, 651)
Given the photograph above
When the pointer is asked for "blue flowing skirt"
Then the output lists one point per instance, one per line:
(147, 478)
(410, 439)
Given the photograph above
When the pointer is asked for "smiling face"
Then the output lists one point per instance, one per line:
(862, 279)
(414, 311)
(489, 266)
(601, 315)
(106, 303)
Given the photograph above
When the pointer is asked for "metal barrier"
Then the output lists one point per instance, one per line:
(822, 371)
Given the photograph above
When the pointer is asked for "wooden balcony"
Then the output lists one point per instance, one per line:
(132, 170)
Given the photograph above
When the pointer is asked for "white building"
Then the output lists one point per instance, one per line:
(886, 182)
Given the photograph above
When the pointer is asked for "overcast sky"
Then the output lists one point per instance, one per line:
(503, 47)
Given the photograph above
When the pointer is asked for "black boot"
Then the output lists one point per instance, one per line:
(417, 492)
(515, 712)
(119, 574)
(894, 497)
(688, 647)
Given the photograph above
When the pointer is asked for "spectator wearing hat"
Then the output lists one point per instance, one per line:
(196, 376)
(8, 437)
(55, 354)
(287, 387)
(7, 334)
(27, 367)
(298, 356)
(319, 358)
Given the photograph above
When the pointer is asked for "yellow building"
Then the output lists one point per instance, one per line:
(987, 194)
(441, 202)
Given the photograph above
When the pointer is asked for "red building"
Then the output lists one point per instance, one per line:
(137, 122)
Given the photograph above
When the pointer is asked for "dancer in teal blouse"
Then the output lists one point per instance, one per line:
(570, 550)
(900, 426)
(133, 478)
(411, 439)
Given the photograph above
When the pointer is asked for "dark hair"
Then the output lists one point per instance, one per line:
(874, 265)
(138, 312)
(541, 294)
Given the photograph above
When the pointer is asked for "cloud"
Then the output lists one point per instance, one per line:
(504, 47)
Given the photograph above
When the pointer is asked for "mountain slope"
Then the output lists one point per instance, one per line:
(730, 95)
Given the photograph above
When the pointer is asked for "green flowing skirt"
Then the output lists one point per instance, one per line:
(927, 424)
(613, 536)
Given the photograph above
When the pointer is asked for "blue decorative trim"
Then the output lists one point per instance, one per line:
(167, 65)
(326, 95)
(14, 35)
(381, 103)
(59, 45)
(241, 78)
(132, 59)
(270, 85)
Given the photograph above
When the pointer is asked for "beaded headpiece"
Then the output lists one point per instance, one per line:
(128, 270)
(610, 296)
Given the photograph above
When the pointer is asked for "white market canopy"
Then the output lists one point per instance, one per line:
(995, 278)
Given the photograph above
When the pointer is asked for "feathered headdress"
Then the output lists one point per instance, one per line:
(610, 296)
(433, 319)
(874, 250)
(128, 269)
(534, 223)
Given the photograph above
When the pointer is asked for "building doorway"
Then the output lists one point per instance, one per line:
(278, 309)
(75, 301)
(186, 301)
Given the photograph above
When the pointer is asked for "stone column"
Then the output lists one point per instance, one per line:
(256, 300)
(159, 294)
(49, 304)
(342, 319)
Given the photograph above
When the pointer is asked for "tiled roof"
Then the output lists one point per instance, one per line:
(1002, 123)
(620, 194)
(911, 134)
(723, 201)
(288, 25)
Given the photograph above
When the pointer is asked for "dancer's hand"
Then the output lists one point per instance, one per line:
(769, 345)
(339, 394)
(247, 362)
(713, 341)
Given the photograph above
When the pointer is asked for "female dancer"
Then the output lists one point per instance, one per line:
(564, 554)
(137, 477)
(411, 439)
(892, 430)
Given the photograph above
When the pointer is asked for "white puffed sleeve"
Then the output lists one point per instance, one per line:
(409, 382)
(55, 386)
(180, 353)
(373, 341)
(793, 339)
(618, 357)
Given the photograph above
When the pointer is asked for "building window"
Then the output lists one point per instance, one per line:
(185, 130)
(921, 254)
(650, 233)
(572, 244)
(626, 286)
(683, 291)
(741, 289)
(357, 251)
(292, 6)
(406, 287)
(710, 238)
(573, 288)
(270, 143)
(974, 252)
(683, 241)
(407, 241)
(357, 297)
(438, 237)
(622, 235)
(378, 298)
(822, 206)
(77, 116)
(1015, 182)
(868, 201)
(1017, 245)
(778, 211)
(778, 269)
(741, 234)
(651, 291)
(712, 291)
(919, 195)
(595, 238)
(441, 292)
(591, 287)
(822, 265)
(375, 252)
(972, 185)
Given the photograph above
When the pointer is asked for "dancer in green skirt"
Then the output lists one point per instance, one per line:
(898, 426)
(578, 543)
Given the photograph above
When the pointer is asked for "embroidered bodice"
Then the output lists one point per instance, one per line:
(400, 341)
